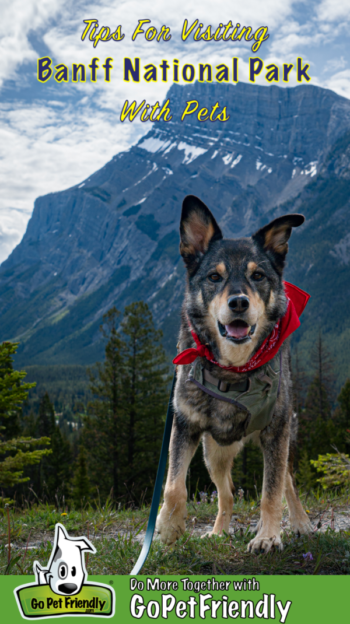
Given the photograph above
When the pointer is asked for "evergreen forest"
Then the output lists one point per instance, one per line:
(73, 435)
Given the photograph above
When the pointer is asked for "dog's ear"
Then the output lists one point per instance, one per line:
(274, 236)
(85, 544)
(198, 229)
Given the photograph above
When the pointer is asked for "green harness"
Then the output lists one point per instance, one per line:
(255, 395)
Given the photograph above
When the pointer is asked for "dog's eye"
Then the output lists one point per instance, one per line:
(74, 571)
(62, 570)
(215, 277)
(257, 277)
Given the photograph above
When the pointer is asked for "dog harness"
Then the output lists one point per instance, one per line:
(257, 394)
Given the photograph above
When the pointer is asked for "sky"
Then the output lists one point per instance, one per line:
(54, 135)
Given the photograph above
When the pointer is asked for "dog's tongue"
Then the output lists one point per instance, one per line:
(237, 329)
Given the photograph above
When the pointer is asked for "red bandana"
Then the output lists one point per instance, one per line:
(297, 300)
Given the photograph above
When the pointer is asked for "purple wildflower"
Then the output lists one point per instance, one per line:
(308, 556)
(213, 496)
(203, 496)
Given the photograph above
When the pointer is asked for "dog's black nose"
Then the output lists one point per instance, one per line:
(67, 588)
(238, 303)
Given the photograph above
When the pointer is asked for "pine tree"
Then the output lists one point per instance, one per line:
(52, 477)
(16, 449)
(341, 421)
(317, 403)
(335, 466)
(81, 481)
(298, 376)
(248, 469)
(29, 424)
(316, 427)
(103, 430)
(145, 395)
(45, 424)
(122, 432)
(59, 469)
(13, 392)
(344, 403)
(306, 476)
(322, 363)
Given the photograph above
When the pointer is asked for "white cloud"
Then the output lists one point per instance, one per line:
(335, 64)
(340, 83)
(330, 11)
(296, 43)
(12, 227)
(18, 18)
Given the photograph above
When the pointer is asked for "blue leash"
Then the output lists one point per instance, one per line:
(158, 485)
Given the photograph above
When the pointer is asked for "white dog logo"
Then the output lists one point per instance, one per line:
(65, 572)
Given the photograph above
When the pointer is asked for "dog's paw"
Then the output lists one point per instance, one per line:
(213, 532)
(207, 534)
(262, 544)
(302, 526)
(170, 526)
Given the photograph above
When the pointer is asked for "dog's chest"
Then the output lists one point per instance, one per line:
(228, 412)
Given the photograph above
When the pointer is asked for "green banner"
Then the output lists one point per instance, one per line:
(39, 601)
(291, 599)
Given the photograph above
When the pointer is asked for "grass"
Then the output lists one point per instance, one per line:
(113, 533)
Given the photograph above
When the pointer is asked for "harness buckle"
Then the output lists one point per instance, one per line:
(223, 386)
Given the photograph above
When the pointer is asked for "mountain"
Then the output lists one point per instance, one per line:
(113, 238)
(320, 259)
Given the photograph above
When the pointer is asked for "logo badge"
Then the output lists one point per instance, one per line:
(61, 588)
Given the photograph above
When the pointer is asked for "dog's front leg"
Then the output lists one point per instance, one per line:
(183, 443)
(219, 460)
(275, 444)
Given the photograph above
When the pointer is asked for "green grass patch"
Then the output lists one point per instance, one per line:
(114, 533)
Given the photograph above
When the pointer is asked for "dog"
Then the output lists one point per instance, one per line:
(233, 376)
(66, 571)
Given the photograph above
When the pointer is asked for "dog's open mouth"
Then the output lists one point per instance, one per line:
(237, 331)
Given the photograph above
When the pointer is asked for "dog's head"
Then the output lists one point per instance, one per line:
(67, 573)
(235, 293)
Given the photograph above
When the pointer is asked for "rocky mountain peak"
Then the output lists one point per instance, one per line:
(113, 238)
